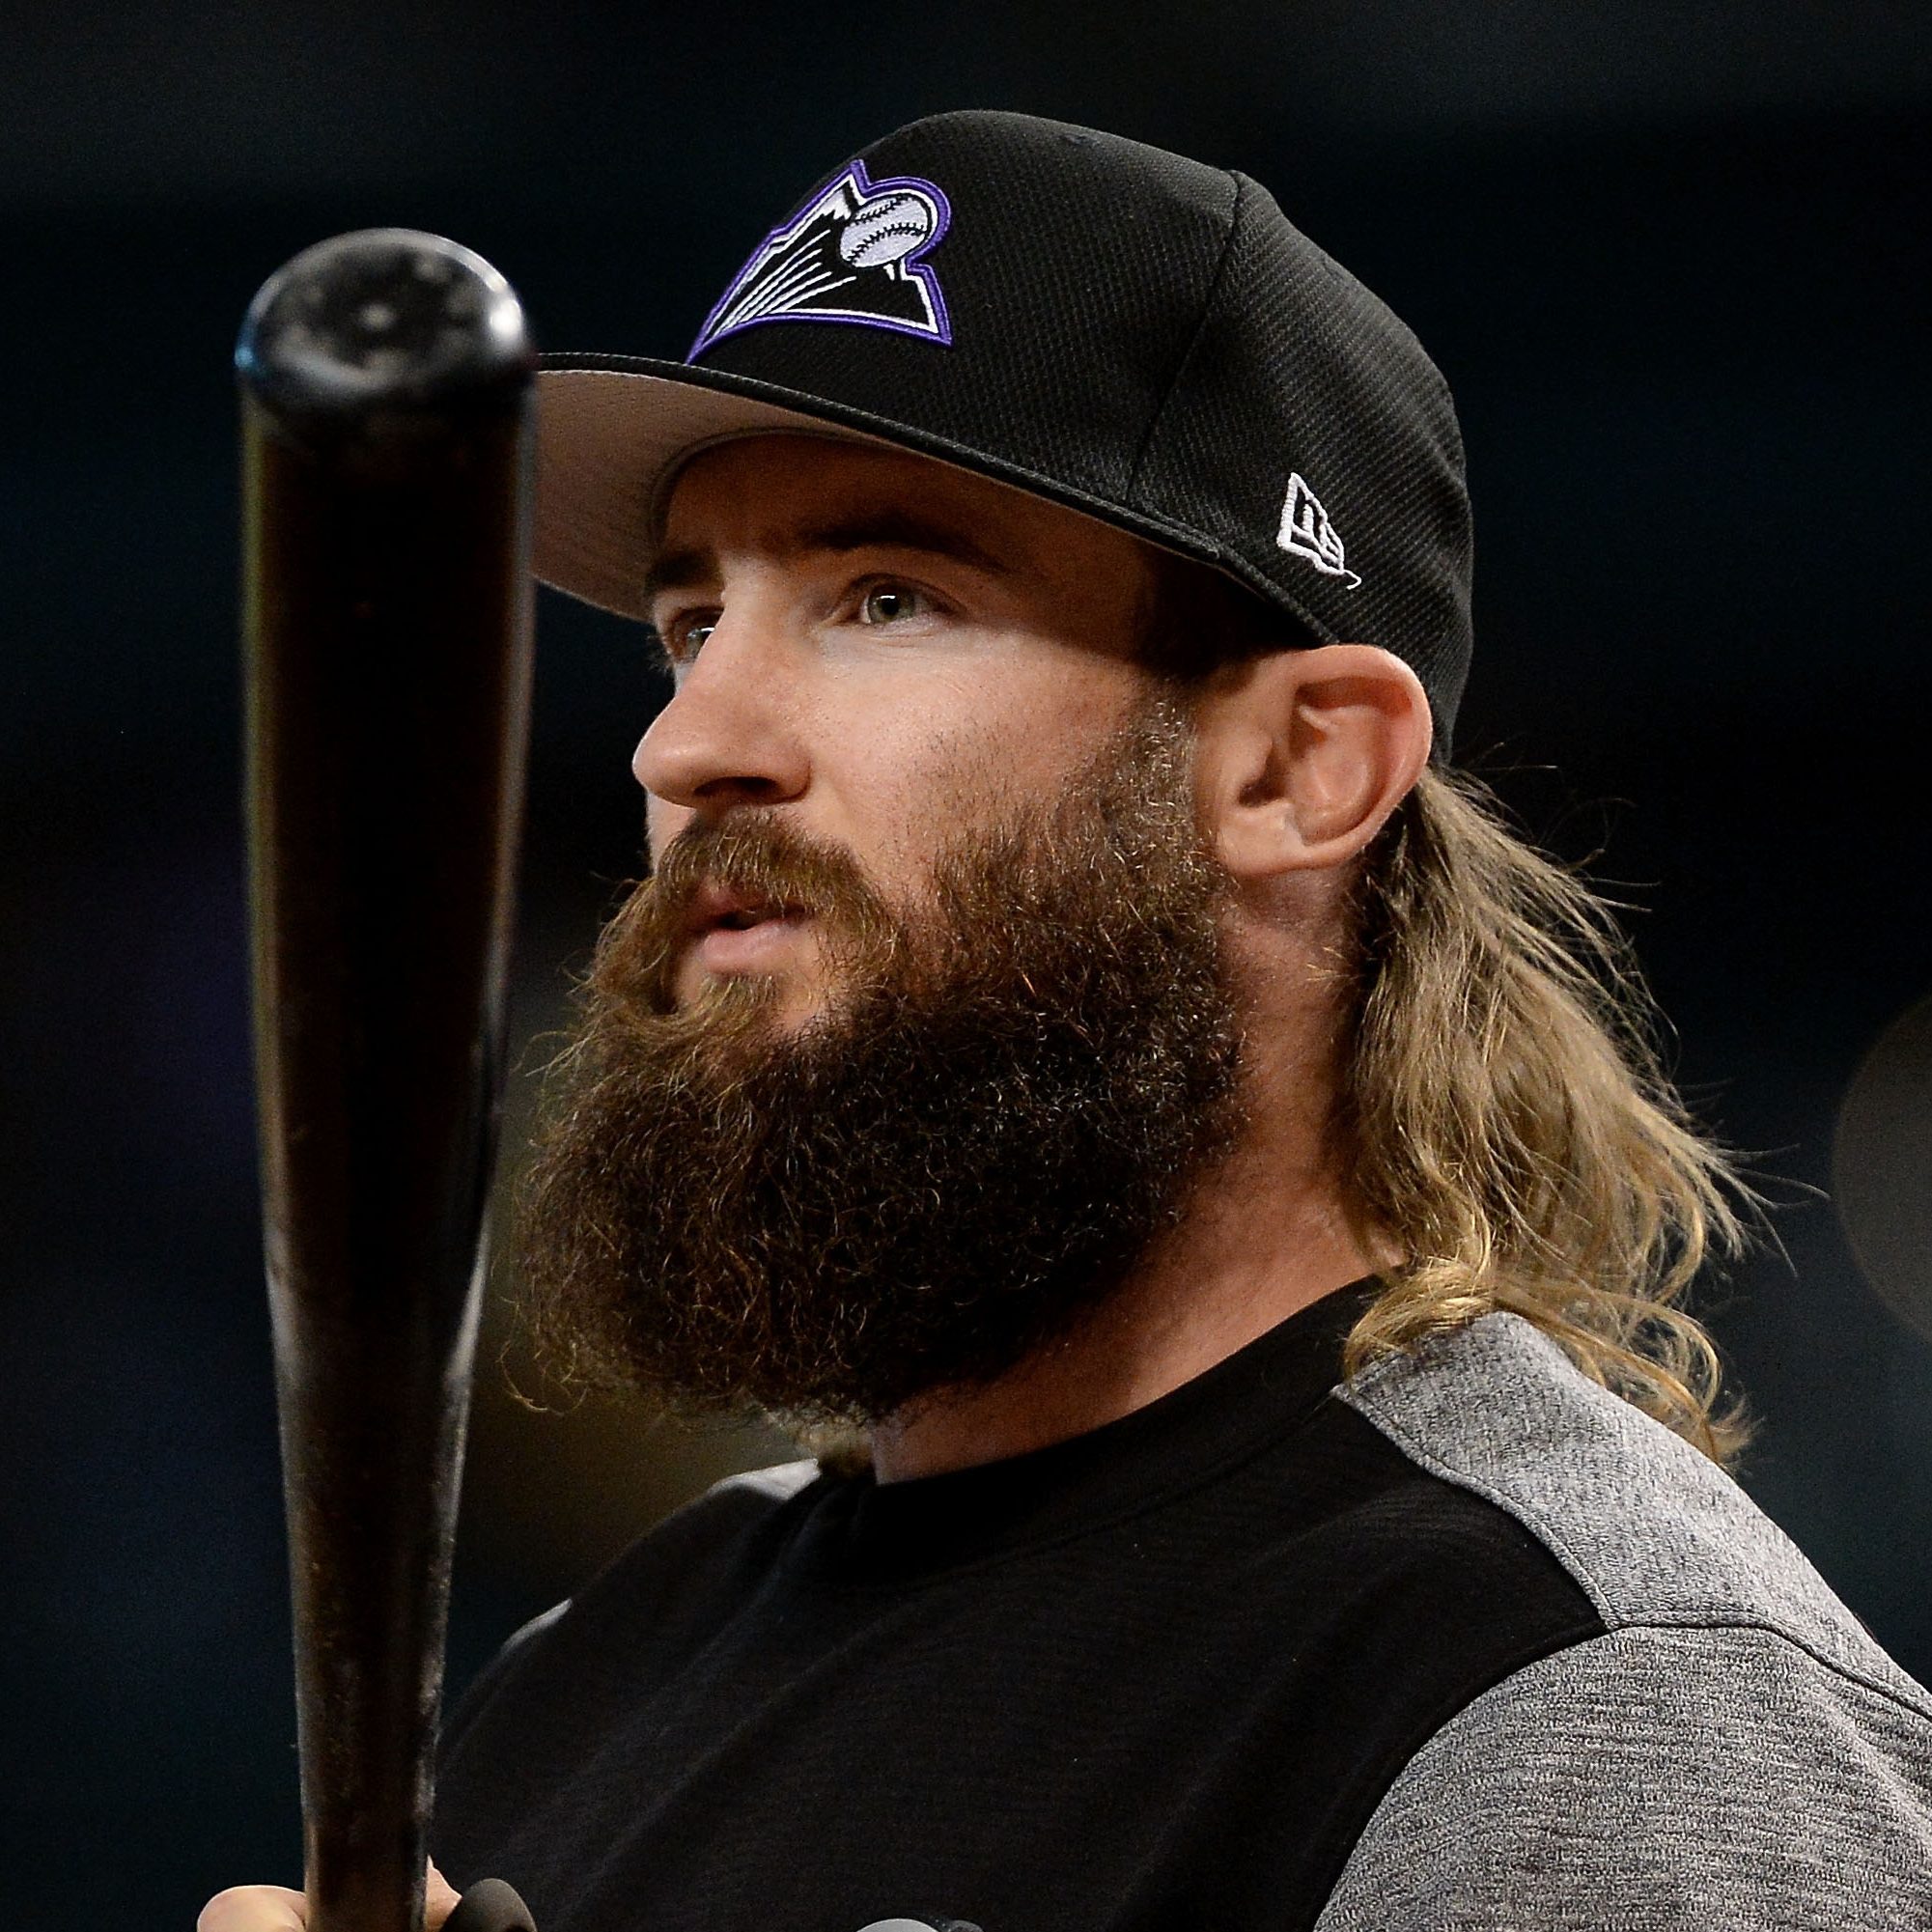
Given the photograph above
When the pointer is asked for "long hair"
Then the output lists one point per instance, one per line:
(1507, 1121)
(1504, 1119)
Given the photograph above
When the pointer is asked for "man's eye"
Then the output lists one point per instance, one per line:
(686, 636)
(890, 603)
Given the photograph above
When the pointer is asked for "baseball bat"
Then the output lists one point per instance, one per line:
(385, 380)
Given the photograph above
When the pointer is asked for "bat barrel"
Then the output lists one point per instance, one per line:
(387, 405)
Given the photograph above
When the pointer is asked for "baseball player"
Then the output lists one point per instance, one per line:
(1086, 1057)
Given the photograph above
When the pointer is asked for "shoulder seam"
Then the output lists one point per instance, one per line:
(1531, 1518)
(1694, 1619)
(1359, 1397)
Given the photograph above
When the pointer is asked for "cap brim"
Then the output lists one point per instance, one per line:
(610, 439)
(613, 430)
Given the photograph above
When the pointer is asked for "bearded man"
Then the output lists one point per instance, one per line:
(1081, 1044)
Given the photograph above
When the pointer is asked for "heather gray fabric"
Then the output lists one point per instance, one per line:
(1734, 1752)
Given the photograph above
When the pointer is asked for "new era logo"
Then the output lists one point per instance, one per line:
(1306, 532)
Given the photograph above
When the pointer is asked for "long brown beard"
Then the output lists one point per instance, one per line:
(1007, 1099)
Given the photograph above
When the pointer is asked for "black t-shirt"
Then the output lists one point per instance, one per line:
(1160, 1675)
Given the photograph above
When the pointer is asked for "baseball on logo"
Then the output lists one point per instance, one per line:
(886, 229)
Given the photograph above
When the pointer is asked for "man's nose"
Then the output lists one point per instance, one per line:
(729, 734)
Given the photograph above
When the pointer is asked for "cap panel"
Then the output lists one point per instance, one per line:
(1312, 436)
(1073, 269)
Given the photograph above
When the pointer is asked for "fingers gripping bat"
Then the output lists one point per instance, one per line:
(386, 453)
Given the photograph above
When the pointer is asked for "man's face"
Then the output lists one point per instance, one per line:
(920, 1031)
(881, 651)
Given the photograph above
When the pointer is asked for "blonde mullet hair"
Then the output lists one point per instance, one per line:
(1508, 1125)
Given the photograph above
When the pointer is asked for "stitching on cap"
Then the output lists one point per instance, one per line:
(1194, 341)
(1230, 562)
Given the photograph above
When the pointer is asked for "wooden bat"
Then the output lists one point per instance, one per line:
(386, 409)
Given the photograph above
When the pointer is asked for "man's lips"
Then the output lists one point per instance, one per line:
(738, 932)
(715, 906)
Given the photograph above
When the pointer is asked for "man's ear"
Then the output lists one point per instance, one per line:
(1303, 754)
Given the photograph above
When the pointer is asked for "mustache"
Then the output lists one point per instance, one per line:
(755, 854)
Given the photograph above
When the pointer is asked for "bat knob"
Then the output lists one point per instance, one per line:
(490, 1906)
(382, 318)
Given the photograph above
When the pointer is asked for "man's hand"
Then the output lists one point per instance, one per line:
(274, 1908)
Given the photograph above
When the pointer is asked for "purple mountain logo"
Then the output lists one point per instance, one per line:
(854, 253)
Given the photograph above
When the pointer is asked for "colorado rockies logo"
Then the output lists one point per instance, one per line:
(852, 254)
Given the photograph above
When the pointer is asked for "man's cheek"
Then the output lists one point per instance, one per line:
(961, 770)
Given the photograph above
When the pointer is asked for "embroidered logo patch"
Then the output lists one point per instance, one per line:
(1306, 532)
(854, 254)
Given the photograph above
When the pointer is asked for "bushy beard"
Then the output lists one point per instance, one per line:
(1008, 1096)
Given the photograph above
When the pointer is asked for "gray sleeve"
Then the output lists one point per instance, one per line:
(1651, 1780)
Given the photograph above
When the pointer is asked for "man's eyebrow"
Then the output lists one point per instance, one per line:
(903, 530)
(677, 570)
(881, 530)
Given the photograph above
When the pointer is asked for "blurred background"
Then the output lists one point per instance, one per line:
(1669, 255)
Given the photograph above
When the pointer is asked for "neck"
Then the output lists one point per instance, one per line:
(1263, 1236)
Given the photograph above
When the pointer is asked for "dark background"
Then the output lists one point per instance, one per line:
(1669, 257)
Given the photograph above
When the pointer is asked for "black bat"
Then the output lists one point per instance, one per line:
(386, 400)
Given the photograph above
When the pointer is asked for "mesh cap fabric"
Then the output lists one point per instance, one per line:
(1128, 333)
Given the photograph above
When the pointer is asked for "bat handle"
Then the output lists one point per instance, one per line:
(490, 1906)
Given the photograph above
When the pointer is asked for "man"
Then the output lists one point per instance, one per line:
(1079, 1032)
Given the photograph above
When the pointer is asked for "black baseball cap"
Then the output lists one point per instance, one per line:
(1124, 331)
